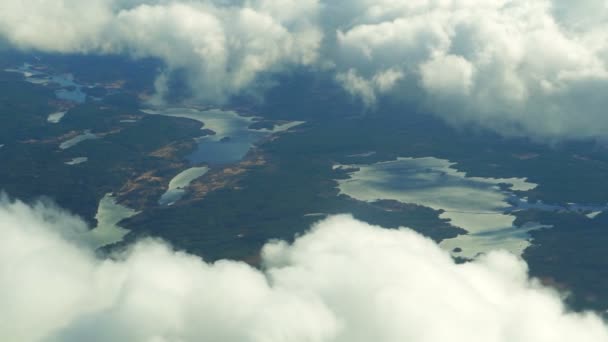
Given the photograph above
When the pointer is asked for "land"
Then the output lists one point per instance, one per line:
(287, 182)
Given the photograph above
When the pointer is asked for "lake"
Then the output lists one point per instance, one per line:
(178, 185)
(233, 138)
(481, 206)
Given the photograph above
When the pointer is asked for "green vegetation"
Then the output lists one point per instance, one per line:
(33, 165)
(276, 200)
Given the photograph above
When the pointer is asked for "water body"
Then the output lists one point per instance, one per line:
(109, 214)
(316, 215)
(55, 117)
(481, 206)
(87, 135)
(178, 185)
(26, 70)
(282, 127)
(363, 155)
(589, 210)
(38, 80)
(233, 138)
(77, 161)
(69, 89)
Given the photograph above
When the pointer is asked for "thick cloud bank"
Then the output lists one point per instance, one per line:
(520, 67)
(222, 47)
(342, 281)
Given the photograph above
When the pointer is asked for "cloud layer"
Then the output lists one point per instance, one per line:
(222, 47)
(535, 68)
(343, 281)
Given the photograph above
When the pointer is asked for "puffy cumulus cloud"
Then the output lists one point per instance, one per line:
(537, 68)
(368, 89)
(343, 281)
(222, 45)
(59, 26)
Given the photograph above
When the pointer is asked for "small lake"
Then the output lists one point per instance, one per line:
(109, 215)
(77, 161)
(70, 90)
(178, 185)
(55, 117)
(87, 135)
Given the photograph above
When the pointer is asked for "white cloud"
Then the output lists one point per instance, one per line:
(59, 26)
(536, 68)
(342, 281)
(447, 75)
(358, 86)
(223, 47)
(368, 89)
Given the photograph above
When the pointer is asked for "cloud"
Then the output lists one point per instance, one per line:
(366, 89)
(522, 68)
(343, 281)
(222, 47)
